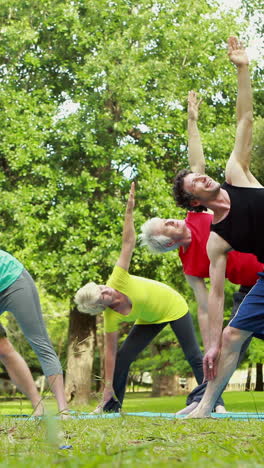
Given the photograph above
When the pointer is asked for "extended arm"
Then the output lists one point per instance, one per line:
(195, 148)
(129, 235)
(238, 165)
(201, 296)
(110, 349)
(217, 253)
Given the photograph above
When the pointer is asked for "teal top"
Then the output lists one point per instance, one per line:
(152, 301)
(10, 270)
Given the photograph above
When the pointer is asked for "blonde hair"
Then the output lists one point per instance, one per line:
(157, 243)
(86, 298)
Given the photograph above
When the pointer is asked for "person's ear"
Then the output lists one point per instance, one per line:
(169, 222)
(195, 203)
(171, 243)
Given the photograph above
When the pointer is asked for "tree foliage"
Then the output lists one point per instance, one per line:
(258, 149)
(93, 94)
(128, 67)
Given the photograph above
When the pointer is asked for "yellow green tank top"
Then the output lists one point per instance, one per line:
(152, 301)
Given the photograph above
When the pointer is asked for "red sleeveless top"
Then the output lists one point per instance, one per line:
(241, 268)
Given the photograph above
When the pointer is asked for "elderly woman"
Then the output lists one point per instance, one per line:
(150, 304)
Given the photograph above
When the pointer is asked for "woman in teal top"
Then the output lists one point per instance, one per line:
(150, 304)
(18, 295)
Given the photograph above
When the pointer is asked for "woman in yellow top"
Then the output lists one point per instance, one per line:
(150, 304)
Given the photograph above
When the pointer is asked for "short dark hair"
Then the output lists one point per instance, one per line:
(182, 197)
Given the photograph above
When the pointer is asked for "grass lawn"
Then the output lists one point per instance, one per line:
(134, 441)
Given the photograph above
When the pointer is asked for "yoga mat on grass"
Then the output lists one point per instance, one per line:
(244, 416)
(148, 414)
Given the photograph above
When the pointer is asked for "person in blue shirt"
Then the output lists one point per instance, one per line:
(18, 295)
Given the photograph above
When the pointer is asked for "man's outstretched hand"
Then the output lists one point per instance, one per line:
(236, 52)
(193, 105)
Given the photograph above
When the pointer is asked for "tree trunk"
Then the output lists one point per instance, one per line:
(163, 385)
(81, 342)
(259, 377)
(248, 382)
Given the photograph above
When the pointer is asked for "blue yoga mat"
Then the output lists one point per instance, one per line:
(243, 416)
(84, 415)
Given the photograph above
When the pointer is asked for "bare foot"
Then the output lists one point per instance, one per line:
(64, 414)
(188, 408)
(220, 409)
(199, 413)
(39, 410)
(98, 409)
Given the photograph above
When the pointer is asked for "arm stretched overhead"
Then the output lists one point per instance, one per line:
(238, 165)
(195, 148)
(129, 235)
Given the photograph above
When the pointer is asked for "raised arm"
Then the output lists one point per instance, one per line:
(201, 296)
(217, 253)
(239, 58)
(238, 165)
(129, 235)
(195, 149)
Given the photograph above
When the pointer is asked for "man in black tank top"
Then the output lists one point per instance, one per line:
(190, 236)
(238, 212)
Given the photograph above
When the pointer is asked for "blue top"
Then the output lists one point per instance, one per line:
(10, 270)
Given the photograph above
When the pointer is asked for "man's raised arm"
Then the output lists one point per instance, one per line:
(195, 148)
(237, 168)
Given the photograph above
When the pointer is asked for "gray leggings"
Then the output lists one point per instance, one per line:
(22, 300)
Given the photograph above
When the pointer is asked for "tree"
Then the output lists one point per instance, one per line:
(80, 358)
(256, 356)
(258, 149)
(249, 375)
(259, 377)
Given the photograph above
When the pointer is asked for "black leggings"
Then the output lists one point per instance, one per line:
(139, 337)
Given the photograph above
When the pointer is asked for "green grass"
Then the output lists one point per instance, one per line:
(133, 441)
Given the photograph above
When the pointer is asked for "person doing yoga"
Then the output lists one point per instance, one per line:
(149, 304)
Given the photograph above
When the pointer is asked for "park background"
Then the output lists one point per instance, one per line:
(92, 96)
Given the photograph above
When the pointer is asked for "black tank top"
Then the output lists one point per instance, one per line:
(243, 227)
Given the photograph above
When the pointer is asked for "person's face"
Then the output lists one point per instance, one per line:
(175, 229)
(107, 295)
(201, 186)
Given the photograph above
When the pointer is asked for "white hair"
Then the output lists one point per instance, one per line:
(155, 242)
(86, 298)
